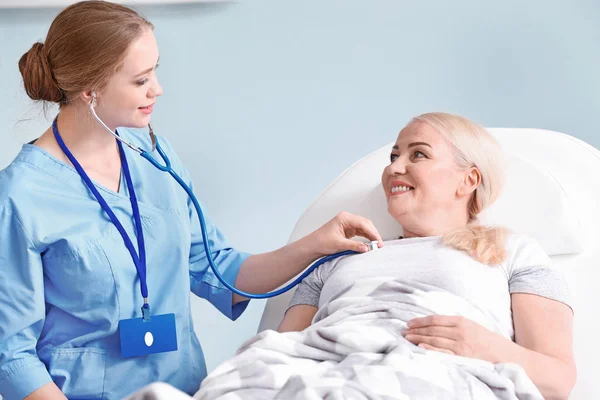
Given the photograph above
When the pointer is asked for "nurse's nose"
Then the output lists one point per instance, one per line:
(156, 90)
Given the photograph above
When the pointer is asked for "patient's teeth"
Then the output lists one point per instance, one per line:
(396, 189)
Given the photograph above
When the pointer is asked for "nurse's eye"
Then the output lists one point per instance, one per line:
(393, 157)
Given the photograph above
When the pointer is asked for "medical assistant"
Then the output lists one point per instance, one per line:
(67, 278)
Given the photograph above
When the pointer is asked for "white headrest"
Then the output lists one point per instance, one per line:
(534, 203)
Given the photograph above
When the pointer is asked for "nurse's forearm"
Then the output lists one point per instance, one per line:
(47, 392)
(262, 273)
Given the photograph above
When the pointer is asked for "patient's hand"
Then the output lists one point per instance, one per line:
(455, 335)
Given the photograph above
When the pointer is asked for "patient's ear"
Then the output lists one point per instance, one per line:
(470, 182)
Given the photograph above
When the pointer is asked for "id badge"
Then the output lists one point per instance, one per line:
(141, 337)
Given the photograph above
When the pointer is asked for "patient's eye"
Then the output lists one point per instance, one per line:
(418, 154)
(393, 157)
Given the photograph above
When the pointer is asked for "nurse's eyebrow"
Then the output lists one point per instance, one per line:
(413, 144)
(149, 69)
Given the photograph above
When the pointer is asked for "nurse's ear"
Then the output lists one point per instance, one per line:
(88, 95)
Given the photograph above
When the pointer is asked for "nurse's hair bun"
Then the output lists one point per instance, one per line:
(86, 44)
(37, 75)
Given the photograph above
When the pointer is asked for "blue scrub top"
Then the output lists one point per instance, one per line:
(67, 277)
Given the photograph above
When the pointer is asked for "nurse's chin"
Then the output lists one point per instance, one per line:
(139, 123)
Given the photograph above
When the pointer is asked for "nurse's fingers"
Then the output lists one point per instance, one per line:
(354, 245)
(355, 225)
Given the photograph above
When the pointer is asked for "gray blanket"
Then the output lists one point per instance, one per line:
(355, 350)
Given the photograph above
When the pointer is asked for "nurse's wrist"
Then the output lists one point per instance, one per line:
(307, 249)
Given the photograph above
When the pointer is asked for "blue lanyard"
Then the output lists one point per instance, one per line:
(139, 261)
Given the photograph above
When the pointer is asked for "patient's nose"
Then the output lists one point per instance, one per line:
(398, 167)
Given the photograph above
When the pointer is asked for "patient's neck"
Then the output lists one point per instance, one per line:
(434, 226)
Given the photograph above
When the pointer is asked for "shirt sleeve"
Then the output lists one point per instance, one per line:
(228, 261)
(309, 290)
(533, 272)
(22, 311)
(203, 281)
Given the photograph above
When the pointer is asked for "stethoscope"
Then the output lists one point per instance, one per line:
(167, 168)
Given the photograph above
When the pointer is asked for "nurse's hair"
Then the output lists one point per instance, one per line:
(85, 46)
(474, 147)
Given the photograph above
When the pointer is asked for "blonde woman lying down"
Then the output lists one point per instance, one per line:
(451, 310)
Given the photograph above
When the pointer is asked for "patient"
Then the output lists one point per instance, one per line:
(450, 310)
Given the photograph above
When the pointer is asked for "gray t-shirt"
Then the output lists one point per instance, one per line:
(486, 289)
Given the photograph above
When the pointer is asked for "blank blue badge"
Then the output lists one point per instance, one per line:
(141, 337)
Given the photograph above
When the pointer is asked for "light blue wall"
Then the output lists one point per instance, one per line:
(267, 101)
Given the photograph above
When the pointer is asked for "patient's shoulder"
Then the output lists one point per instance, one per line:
(523, 250)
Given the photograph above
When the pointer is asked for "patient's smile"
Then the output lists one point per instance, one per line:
(401, 189)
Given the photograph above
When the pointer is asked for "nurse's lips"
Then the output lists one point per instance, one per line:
(147, 109)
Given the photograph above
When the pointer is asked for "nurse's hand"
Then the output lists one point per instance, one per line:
(262, 273)
(337, 234)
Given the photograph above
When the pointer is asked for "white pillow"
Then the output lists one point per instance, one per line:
(534, 203)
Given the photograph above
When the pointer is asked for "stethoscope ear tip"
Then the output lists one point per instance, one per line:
(152, 136)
